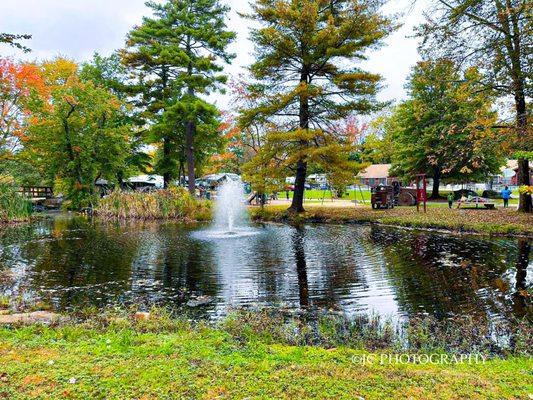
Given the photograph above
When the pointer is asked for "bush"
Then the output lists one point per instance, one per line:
(173, 203)
(13, 207)
(420, 334)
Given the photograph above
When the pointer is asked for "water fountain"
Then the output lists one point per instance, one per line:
(231, 215)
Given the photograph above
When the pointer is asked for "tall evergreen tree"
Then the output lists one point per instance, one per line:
(13, 40)
(177, 56)
(307, 78)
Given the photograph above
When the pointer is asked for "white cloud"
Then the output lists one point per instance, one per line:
(78, 28)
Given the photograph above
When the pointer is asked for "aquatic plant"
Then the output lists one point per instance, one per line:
(173, 203)
(13, 206)
(420, 334)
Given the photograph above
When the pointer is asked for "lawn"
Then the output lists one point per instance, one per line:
(363, 196)
(77, 362)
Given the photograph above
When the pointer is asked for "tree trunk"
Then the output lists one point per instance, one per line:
(190, 157)
(436, 184)
(299, 188)
(189, 131)
(524, 179)
(523, 163)
(301, 166)
(167, 176)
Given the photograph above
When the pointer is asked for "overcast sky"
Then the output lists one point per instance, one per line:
(78, 28)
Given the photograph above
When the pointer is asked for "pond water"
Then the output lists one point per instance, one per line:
(74, 262)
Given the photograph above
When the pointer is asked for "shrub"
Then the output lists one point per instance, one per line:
(13, 206)
(173, 203)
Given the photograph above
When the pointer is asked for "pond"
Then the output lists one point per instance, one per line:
(74, 262)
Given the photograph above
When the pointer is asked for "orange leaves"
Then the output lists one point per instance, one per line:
(19, 79)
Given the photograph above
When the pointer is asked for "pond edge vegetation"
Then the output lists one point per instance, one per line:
(76, 356)
(484, 222)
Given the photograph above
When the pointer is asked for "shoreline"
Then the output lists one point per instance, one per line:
(152, 355)
(494, 223)
(442, 220)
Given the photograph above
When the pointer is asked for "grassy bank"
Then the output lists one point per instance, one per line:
(244, 357)
(13, 207)
(504, 222)
(364, 195)
(174, 203)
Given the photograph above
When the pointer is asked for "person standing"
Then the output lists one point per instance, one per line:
(451, 198)
(506, 195)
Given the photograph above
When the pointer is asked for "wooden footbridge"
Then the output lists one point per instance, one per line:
(41, 196)
(37, 192)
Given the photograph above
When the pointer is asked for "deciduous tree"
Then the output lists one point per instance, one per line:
(496, 36)
(76, 132)
(17, 82)
(446, 128)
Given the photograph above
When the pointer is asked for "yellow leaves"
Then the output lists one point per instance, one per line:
(59, 70)
(70, 99)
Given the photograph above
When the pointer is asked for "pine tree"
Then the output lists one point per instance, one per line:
(177, 57)
(307, 78)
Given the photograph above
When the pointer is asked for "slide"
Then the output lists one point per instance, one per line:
(251, 197)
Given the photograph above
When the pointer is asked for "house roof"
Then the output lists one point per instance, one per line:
(376, 171)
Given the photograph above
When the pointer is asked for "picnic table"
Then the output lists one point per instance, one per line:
(477, 201)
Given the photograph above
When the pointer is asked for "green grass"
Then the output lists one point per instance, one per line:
(364, 194)
(160, 359)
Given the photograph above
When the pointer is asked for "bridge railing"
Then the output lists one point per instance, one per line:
(34, 192)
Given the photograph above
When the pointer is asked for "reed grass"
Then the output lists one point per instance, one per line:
(174, 203)
(13, 206)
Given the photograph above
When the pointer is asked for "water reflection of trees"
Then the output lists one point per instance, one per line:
(444, 274)
(521, 295)
(169, 266)
(348, 267)
(82, 255)
(298, 245)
